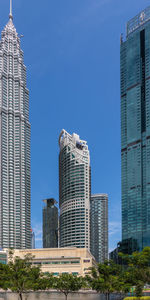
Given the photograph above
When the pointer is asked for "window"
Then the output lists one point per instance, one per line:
(86, 260)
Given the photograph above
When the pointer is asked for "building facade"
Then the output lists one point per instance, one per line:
(60, 260)
(135, 132)
(14, 143)
(74, 191)
(50, 224)
(99, 226)
(3, 257)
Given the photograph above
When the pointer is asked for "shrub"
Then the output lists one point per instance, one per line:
(132, 298)
(136, 298)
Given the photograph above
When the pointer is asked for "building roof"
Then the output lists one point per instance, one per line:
(138, 20)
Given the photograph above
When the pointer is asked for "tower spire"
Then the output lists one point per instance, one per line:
(10, 14)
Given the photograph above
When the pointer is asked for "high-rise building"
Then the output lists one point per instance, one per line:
(50, 224)
(14, 143)
(74, 191)
(99, 226)
(32, 239)
(135, 133)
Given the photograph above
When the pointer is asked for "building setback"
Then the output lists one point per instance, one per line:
(99, 226)
(74, 191)
(135, 133)
(14, 143)
(50, 224)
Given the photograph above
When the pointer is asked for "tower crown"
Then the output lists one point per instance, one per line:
(10, 40)
(10, 14)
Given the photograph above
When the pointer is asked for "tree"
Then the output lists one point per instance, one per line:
(22, 276)
(67, 283)
(106, 278)
(46, 281)
(137, 272)
(4, 276)
(138, 259)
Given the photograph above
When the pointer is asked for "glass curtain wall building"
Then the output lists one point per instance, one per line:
(135, 133)
(14, 143)
(99, 226)
(74, 191)
(50, 224)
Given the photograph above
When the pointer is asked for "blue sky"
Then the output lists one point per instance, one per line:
(71, 51)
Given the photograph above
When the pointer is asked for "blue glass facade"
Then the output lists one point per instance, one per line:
(135, 131)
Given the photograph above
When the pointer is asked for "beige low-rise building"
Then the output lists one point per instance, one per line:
(76, 261)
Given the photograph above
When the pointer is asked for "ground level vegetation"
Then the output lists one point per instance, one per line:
(20, 276)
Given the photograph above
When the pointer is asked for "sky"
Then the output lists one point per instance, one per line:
(72, 53)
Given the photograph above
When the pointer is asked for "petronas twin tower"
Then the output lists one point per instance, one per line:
(14, 143)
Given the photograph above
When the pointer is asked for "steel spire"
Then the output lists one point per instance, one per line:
(10, 14)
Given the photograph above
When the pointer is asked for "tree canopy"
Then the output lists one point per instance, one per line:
(67, 283)
(106, 278)
(137, 272)
(22, 275)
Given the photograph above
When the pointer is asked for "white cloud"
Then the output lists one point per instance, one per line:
(114, 227)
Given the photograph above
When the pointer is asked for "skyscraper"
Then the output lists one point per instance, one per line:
(32, 239)
(14, 143)
(50, 224)
(99, 226)
(135, 132)
(74, 191)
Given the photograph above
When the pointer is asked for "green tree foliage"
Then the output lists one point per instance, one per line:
(137, 272)
(67, 283)
(4, 276)
(47, 281)
(22, 276)
(106, 279)
(138, 259)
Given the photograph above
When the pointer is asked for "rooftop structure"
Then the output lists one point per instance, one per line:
(138, 21)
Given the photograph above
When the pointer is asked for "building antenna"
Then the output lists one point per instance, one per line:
(10, 14)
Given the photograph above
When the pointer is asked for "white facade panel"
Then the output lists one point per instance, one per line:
(14, 143)
(74, 191)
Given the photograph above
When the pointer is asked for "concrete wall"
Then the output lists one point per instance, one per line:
(51, 296)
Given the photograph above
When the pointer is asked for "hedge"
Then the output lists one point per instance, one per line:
(137, 298)
(131, 298)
